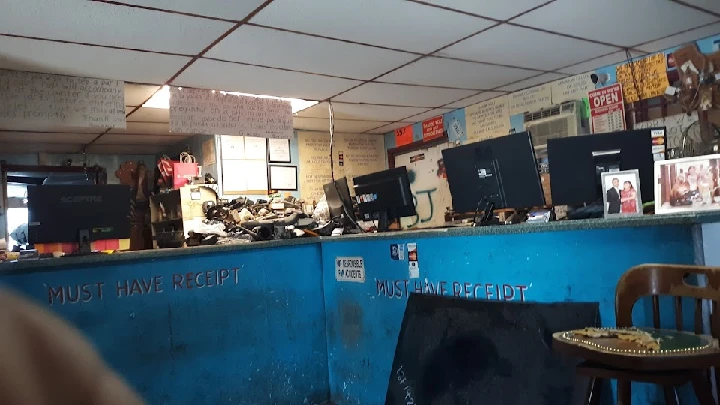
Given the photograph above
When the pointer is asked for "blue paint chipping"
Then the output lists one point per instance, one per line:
(271, 325)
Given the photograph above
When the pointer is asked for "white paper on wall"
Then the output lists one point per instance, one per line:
(571, 88)
(530, 100)
(488, 119)
(44, 99)
(675, 126)
(232, 147)
(213, 112)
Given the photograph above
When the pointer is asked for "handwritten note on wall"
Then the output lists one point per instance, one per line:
(488, 119)
(61, 100)
(362, 154)
(650, 75)
(530, 100)
(571, 88)
(212, 112)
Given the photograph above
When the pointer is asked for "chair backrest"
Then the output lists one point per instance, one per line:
(670, 280)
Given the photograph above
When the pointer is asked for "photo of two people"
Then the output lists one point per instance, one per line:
(621, 193)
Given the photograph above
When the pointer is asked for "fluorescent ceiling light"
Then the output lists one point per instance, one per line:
(161, 99)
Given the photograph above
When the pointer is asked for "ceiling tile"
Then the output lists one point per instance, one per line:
(41, 147)
(597, 63)
(516, 46)
(226, 9)
(534, 81)
(77, 60)
(475, 99)
(210, 74)
(263, 46)
(143, 128)
(499, 9)
(618, 22)
(381, 93)
(454, 73)
(360, 112)
(108, 24)
(711, 5)
(322, 124)
(390, 127)
(125, 149)
(681, 39)
(136, 94)
(428, 114)
(396, 24)
(147, 114)
(125, 139)
(44, 137)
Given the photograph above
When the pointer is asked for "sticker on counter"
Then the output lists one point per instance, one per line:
(350, 269)
(397, 252)
(412, 252)
(414, 270)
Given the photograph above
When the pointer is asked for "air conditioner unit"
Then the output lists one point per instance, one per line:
(558, 121)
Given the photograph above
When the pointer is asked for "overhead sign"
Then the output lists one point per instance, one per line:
(607, 109)
(350, 269)
(432, 128)
(646, 77)
(404, 136)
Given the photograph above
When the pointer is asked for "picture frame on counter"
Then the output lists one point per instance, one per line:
(279, 150)
(687, 185)
(283, 178)
(621, 193)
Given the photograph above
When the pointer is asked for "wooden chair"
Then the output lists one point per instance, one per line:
(670, 372)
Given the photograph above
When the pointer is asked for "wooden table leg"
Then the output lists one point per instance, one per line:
(624, 393)
(703, 389)
(670, 395)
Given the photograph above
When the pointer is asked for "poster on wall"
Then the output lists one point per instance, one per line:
(530, 100)
(607, 109)
(432, 128)
(649, 74)
(404, 136)
(488, 119)
(199, 111)
(675, 125)
(571, 88)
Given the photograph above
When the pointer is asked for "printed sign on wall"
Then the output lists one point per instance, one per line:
(432, 128)
(607, 110)
(530, 100)
(404, 136)
(571, 88)
(650, 75)
(350, 269)
(488, 119)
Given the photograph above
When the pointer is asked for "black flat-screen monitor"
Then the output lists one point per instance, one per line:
(337, 195)
(502, 171)
(385, 196)
(576, 163)
(78, 213)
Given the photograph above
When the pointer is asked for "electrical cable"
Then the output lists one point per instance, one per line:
(332, 167)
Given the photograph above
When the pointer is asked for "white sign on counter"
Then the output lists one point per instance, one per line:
(36, 98)
(199, 111)
(350, 269)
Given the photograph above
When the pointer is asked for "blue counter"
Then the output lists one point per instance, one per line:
(268, 323)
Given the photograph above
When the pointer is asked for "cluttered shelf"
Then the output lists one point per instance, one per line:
(685, 219)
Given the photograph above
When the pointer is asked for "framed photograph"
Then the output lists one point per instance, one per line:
(621, 193)
(687, 185)
(279, 150)
(283, 177)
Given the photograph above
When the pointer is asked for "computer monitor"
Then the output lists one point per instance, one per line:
(78, 213)
(496, 173)
(385, 196)
(576, 163)
(337, 195)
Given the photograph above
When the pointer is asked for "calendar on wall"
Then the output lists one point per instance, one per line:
(607, 109)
